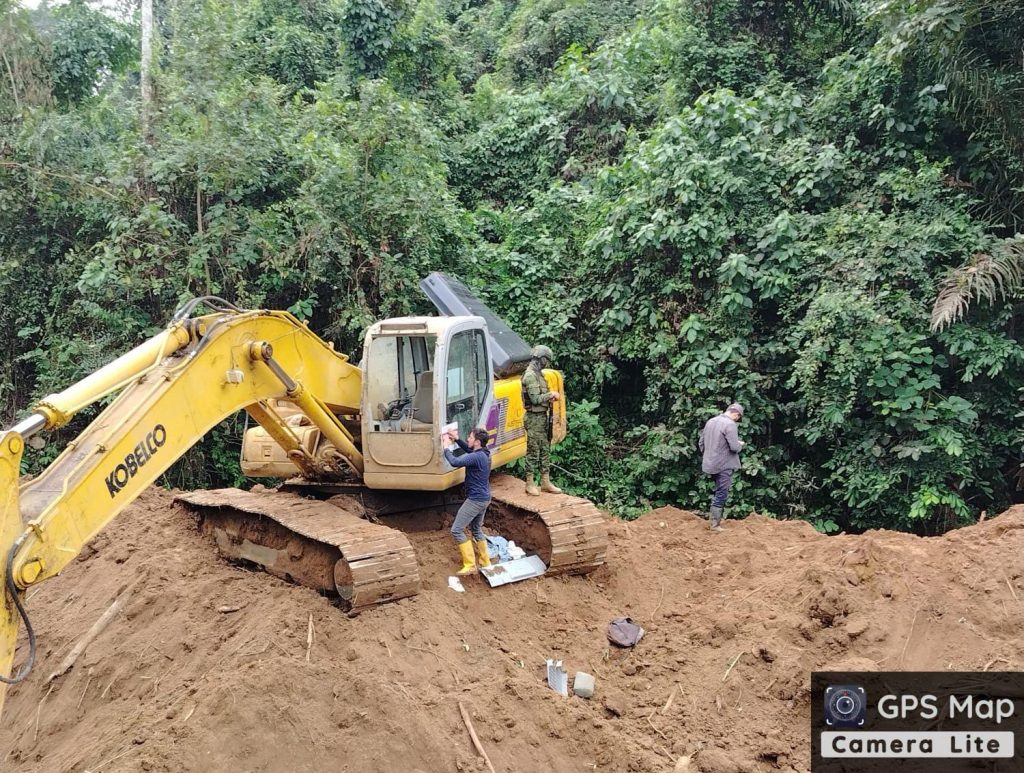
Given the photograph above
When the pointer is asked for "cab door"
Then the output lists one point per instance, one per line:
(463, 365)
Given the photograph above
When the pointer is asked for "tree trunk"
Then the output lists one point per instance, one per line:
(146, 71)
(14, 84)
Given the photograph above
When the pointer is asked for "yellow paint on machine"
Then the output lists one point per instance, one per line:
(171, 391)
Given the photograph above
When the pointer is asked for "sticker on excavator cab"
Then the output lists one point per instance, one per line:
(136, 459)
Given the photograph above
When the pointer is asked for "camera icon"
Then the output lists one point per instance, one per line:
(846, 705)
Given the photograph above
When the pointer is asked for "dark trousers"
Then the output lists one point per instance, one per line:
(723, 482)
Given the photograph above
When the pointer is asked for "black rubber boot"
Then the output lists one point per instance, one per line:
(716, 518)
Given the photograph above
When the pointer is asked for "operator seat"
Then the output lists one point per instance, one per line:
(423, 403)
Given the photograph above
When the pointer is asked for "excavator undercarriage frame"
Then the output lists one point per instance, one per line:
(342, 545)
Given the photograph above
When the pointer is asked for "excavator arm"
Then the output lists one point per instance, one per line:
(171, 391)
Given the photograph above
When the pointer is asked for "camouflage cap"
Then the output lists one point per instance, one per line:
(541, 352)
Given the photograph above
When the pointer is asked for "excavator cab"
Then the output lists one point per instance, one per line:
(420, 375)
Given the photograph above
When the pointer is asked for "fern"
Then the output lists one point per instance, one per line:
(973, 48)
(985, 277)
(981, 93)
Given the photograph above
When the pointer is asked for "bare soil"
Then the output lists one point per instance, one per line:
(735, 624)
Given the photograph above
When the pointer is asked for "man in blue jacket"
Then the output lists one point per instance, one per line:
(720, 443)
(477, 461)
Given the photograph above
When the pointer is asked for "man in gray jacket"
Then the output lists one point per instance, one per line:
(720, 443)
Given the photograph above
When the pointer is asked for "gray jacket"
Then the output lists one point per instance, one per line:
(720, 444)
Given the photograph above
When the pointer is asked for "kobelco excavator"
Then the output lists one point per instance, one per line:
(354, 443)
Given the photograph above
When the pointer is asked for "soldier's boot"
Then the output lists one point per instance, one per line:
(716, 518)
(531, 487)
(547, 486)
(468, 560)
(483, 556)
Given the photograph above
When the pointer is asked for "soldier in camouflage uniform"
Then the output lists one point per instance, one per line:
(537, 399)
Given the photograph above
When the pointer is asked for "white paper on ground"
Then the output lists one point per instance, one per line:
(513, 571)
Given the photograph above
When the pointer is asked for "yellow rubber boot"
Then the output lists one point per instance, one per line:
(547, 486)
(468, 562)
(483, 558)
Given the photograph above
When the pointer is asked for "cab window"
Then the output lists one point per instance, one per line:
(466, 380)
(400, 386)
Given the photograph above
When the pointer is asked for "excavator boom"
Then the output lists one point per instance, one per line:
(174, 389)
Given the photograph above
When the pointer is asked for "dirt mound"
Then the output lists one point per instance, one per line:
(735, 624)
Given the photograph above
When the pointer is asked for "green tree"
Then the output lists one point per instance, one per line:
(369, 28)
(24, 78)
(809, 206)
(87, 46)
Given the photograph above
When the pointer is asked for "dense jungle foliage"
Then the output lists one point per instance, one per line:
(810, 207)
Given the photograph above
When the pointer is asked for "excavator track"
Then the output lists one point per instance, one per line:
(569, 533)
(322, 545)
(331, 547)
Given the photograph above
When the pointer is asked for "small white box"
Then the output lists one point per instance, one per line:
(583, 685)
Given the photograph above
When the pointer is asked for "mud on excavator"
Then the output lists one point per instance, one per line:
(353, 444)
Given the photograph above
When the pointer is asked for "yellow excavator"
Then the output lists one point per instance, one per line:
(354, 443)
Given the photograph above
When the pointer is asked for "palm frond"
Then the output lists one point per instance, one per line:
(846, 10)
(985, 277)
(983, 95)
(972, 47)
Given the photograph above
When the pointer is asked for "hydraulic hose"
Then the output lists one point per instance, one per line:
(217, 304)
(12, 589)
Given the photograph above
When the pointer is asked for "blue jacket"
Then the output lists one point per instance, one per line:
(478, 470)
